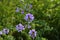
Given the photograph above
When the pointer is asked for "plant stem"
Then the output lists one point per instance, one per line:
(33, 38)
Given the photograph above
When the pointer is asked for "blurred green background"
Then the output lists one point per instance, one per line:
(46, 22)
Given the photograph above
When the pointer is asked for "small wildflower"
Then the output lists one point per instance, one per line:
(30, 6)
(29, 26)
(22, 11)
(20, 27)
(17, 9)
(0, 32)
(32, 33)
(29, 17)
(5, 31)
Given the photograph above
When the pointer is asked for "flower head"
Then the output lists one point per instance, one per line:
(17, 9)
(20, 27)
(22, 11)
(30, 6)
(32, 33)
(5, 31)
(29, 17)
(0, 32)
(29, 26)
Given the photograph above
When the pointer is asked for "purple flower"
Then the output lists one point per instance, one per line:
(29, 26)
(29, 17)
(17, 9)
(30, 6)
(22, 11)
(32, 33)
(5, 31)
(20, 27)
(0, 32)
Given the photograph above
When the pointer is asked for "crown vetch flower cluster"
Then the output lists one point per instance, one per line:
(4, 31)
(0, 32)
(32, 33)
(20, 27)
(29, 17)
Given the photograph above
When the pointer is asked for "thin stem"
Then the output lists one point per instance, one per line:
(33, 38)
(21, 38)
(28, 23)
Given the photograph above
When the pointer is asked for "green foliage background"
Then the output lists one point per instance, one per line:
(46, 22)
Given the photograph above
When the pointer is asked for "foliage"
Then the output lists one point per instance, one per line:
(46, 18)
